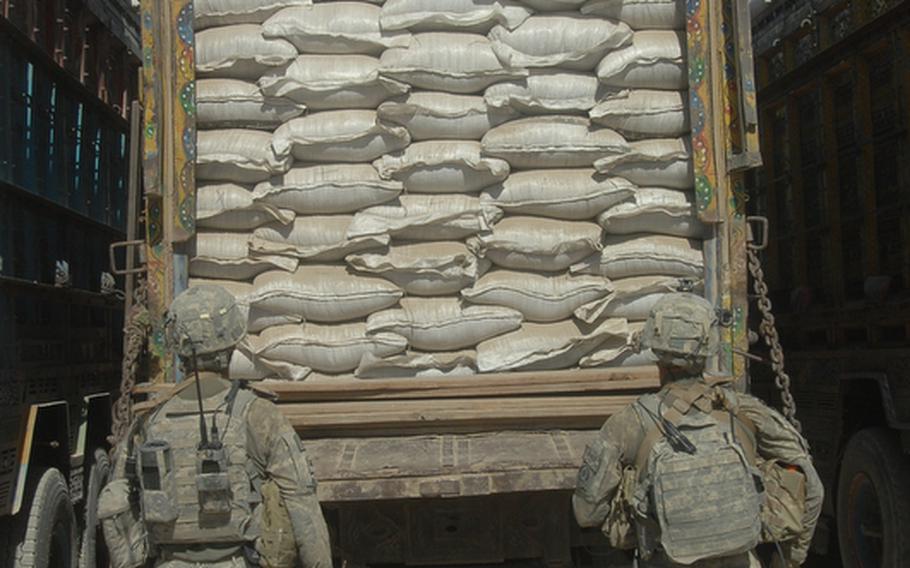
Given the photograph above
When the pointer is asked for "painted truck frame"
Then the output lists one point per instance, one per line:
(68, 73)
(473, 470)
(834, 101)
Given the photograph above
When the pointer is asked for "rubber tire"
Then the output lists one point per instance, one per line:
(50, 523)
(97, 478)
(876, 454)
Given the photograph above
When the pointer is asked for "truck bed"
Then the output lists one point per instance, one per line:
(472, 436)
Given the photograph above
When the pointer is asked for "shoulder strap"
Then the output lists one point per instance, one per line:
(743, 427)
(676, 409)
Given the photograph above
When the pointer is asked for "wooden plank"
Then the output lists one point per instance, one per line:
(492, 385)
(451, 415)
(341, 491)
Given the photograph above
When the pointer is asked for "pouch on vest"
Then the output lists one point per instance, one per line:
(276, 545)
(212, 482)
(619, 527)
(121, 522)
(156, 476)
(785, 501)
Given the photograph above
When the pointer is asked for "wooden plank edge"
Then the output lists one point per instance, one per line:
(485, 385)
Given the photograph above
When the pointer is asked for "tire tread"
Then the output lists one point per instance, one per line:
(877, 448)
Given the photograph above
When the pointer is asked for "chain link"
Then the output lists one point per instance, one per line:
(136, 334)
(768, 329)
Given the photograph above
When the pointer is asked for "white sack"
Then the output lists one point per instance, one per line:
(226, 256)
(661, 162)
(541, 245)
(313, 238)
(462, 15)
(644, 255)
(231, 103)
(327, 189)
(260, 319)
(332, 82)
(444, 324)
(442, 167)
(552, 142)
(442, 116)
(424, 269)
(547, 346)
(643, 113)
(576, 194)
(323, 293)
(567, 40)
(257, 319)
(629, 358)
(539, 297)
(452, 62)
(547, 92)
(427, 218)
(240, 290)
(641, 14)
(616, 351)
(654, 60)
(208, 13)
(339, 136)
(231, 207)
(236, 155)
(326, 348)
(655, 210)
(632, 298)
(334, 28)
(239, 52)
(554, 5)
(245, 365)
(417, 364)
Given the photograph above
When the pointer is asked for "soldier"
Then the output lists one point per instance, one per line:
(676, 474)
(213, 476)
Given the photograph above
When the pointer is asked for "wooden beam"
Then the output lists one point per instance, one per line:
(493, 385)
(333, 419)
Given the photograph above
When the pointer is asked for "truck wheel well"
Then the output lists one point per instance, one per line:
(99, 413)
(862, 407)
(51, 439)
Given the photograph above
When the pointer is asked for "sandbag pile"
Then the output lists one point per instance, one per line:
(443, 187)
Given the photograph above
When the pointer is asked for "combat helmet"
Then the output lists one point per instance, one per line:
(207, 319)
(680, 331)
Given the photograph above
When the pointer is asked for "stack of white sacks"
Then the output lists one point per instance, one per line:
(442, 187)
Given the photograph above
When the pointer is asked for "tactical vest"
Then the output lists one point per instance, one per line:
(183, 491)
(696, 503)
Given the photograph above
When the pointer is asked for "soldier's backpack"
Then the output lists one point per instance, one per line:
(699, 495)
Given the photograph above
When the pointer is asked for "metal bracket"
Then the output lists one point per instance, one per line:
(127, 245)
(762, 244)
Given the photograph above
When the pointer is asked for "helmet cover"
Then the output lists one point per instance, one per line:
(205, 317)
(680, 330)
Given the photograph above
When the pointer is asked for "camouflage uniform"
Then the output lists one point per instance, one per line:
(276, 454)
(621, 437)
(205, 325)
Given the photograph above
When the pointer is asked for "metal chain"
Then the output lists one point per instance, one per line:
(768, 330)
(136, 334)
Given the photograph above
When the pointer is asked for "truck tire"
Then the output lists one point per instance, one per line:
(92, 552)
(50, 526)
(873, 502)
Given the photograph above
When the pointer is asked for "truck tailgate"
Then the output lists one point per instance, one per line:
(449, 465)
(471, 436)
